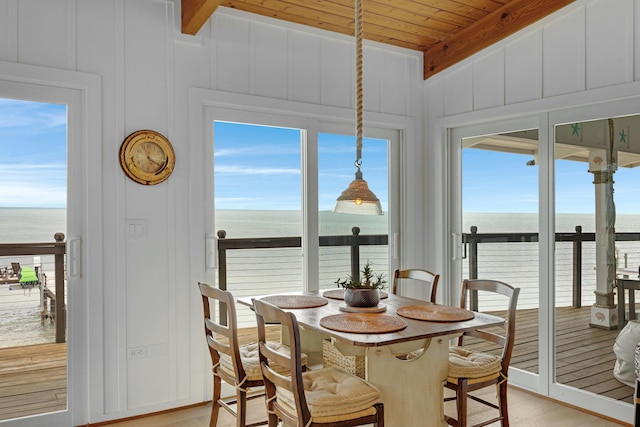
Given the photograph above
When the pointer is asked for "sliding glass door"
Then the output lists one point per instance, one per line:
(597, 217)
(499, 220)
(270, 192)
(550, 205)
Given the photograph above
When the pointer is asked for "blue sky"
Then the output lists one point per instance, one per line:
(33, 154)
(503, 182)
(259, 167)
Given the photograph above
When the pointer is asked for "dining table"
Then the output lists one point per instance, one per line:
(404, 343)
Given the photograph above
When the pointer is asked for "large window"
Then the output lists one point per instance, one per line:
(273, 178)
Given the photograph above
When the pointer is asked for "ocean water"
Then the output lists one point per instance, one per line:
(31, 225)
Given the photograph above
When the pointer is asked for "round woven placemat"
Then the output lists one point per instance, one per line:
(339, 294)
(363, 323)
(435, 313)
(295, 301)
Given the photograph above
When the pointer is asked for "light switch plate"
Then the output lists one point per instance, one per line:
(136, 229)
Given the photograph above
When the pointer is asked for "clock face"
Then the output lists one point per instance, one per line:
(147, 157)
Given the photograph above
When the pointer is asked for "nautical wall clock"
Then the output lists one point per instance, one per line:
(147, 157)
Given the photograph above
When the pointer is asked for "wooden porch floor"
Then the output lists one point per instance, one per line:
(584, 355)
(33, 378)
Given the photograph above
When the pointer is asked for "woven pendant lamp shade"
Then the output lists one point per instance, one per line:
(358, 199)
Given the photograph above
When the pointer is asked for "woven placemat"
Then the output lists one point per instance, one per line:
(435, 313)
(339, 294)
(295, 301)
(363, 323)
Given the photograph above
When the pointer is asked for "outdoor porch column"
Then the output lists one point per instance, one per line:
(604, 311)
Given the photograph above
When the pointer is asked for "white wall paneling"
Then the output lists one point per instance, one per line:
(269, 65)
(489, 71)
(458, 87)
(9, 30)
(563, 60)
(523, 75)
(609, 43)
(40, 42)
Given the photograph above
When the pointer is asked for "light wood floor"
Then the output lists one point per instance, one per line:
(526, 410)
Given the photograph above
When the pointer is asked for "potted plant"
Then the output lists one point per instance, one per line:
(362, 292)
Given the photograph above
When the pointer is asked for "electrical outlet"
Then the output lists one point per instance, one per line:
(137, 353)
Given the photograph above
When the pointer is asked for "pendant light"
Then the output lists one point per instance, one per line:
(357, 198)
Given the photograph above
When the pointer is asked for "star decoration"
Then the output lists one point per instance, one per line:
(575, 129)
(623, 137)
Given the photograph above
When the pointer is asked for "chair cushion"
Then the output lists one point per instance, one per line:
(464, 363)
(251, 360)
(333, 395)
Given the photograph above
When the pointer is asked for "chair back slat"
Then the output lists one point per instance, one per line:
(218, 346)
(487, 336)
(217, 328)
(426, 278)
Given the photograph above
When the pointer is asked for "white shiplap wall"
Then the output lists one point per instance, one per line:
(146, 68)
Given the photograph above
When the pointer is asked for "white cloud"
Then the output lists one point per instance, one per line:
(244, 170)
(16, 114)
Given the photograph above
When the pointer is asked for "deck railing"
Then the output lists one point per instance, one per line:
(477, 249)
(58, 250)
(473, 239)
(353, 241)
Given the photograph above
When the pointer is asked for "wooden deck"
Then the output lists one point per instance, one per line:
(33, 378)
(584, 355)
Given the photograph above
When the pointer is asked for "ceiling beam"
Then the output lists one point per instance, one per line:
(195, 13)
(505, 21)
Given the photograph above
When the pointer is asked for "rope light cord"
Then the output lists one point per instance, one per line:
(357, 198)
(358, 31)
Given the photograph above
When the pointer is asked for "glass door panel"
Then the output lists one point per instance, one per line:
(336, 169)
(597, 240)
(500, 227)
(33, 208)
(258, 194)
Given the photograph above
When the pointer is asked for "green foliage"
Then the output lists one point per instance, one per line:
(369, 280)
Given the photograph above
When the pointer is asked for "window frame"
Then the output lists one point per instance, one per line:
(207, 106)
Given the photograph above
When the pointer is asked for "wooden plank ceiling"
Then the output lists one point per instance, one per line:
(446, 31)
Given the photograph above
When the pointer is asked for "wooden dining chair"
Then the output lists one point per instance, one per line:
(470, 369)
(325, 397)
(237, 365)
(420, 278)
